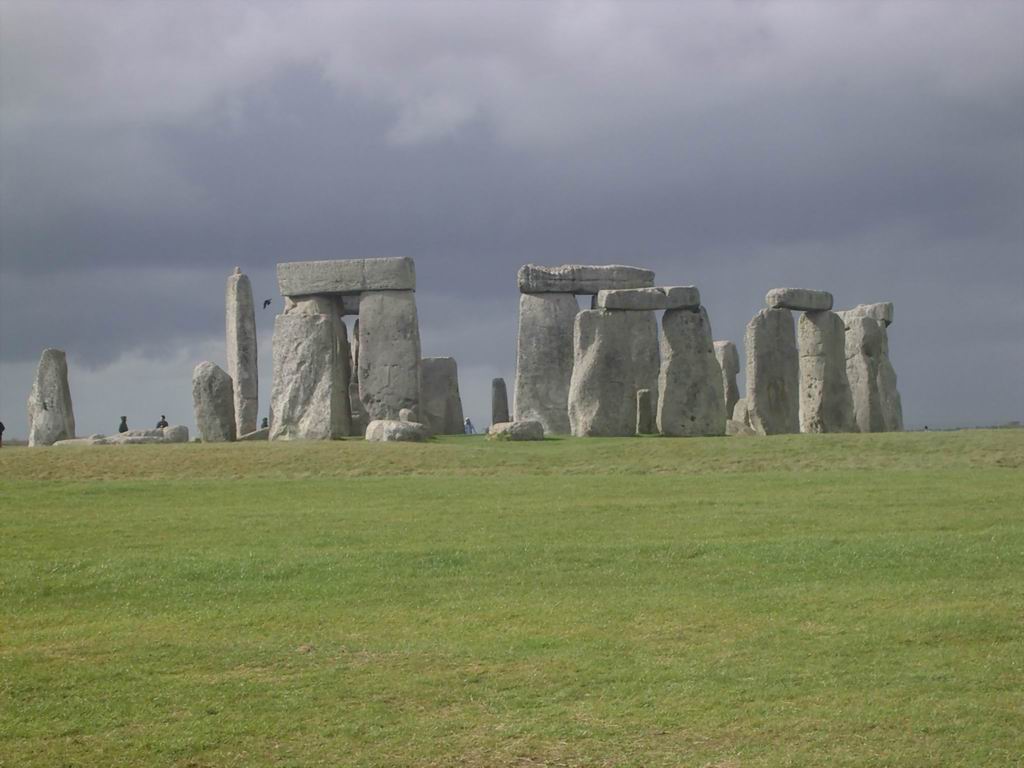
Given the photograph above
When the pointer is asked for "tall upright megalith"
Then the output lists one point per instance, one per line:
(691, 399)
(877, 405)
(240, 326)
(213, 403)
(440, 401)
(51, 416)
(729, 362)
(544, 351)
(773, 373)
(389, 353)
(826, 403)
(499, 402)
(544, 359)
(602, 396)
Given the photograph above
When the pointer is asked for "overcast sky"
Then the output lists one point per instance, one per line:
(873, 149)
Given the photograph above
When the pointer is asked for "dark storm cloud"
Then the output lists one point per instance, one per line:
(874, 149)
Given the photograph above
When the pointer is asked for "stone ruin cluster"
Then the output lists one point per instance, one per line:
(603, 371)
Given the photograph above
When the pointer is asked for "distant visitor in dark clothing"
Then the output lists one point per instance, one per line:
(124, 424)
(162, 423)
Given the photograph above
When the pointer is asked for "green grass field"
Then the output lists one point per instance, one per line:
(839, 600)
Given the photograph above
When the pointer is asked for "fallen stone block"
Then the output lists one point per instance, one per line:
(297, 278)
(389, 353)
(582, 278)
(255, 436)
(392, 431)
(240, 324)
(798, 298)
(176, 433)
(516, 430)
(602, 398)
(735, 428)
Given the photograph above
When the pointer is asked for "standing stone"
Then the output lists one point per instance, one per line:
(644, 413)
(691, 400)
(544, 359)
(240, 321)
(213, 403)
(644, 353)
(440, 403)
(51, 416)
(826, 404)
(729, 361)
(773, 373)
(499, 402)
(360, 418)
(355, 350)
(888, 394)
(602, 398)
(863, 349)
(740, 412)
(309, 397)
(389, 353)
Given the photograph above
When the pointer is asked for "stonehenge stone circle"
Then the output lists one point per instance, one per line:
(499, 402)
(240, 322)
(309, 396)
(544, 359)
(773, 373)
(729, 362)
(440, 402)
(389, 353)
(691, 401)
(51, 416)
(516, 431)
(297, 278)
(582, 278)
(826, 404)
(213, 402)
(645, 413)
(668, 297)
(392, 431)
(602, 398)
(798, 298)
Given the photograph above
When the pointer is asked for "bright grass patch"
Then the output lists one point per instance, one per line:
(843, 600)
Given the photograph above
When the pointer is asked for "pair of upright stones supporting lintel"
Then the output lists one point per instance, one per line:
(313, 359)
(824, 375)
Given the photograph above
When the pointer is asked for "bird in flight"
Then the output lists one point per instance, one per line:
(266, 303)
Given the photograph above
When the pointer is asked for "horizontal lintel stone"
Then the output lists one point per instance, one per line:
(802, 299)
(881, 312)
(641, 299)
(582, 278)
(346, 276)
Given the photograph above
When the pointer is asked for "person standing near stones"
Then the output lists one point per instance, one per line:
(162, 423)
(2, 434)
(468, 427)
(123, 426)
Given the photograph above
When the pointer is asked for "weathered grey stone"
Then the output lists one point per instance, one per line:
(213, 402)
(888, 394)
(691, 401)
(826, 404)
(863, 349)
(881, 312)
(773, 373)
(240, 323)
(645, 424)
(408, 414)
(355, 352)
(440, 402)
(516, 430)
(644, 353)
(390, 430)
(798, 298)
(389, 353)
(729, 361)
(499, 402)
(640, 299)
(78, 441)
(255, 436)
(582, 278)
(740, 412)
(602, 398)
(544, 360)
(51, 416)
(298, 278)
(360, 418)
(177, 433)
(348, 304)
(309, 397)
(319, 304)
(735, 428)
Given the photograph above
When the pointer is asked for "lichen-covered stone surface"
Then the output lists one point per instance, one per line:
(51, 416)
(213, 403)
(389, 353)
(602, 397)
(544, 359)
(394, 431)
(690, 397)
(516, 430)
(773, 373)
(826, 403)
(582, 278)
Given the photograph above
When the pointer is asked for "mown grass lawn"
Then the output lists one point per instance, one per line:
(807, 600)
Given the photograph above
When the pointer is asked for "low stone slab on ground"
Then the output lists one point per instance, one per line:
(798, 298)
(166, 435)
(639, 299)
(516, 430)
(255, 435)
(392, 431)
(735, 428)
(582, 278)
(297, 278)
